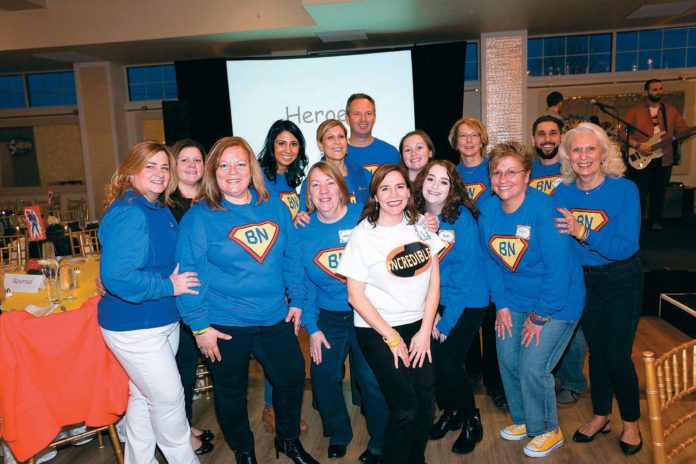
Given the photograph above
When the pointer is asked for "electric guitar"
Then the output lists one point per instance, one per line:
(640, 161)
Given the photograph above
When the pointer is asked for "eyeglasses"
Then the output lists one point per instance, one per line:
(510, 173)
(470, 136)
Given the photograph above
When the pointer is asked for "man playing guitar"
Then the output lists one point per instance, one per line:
(654, 118)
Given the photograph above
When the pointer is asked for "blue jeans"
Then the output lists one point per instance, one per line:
(339, 331)
(569, 370)
(526, 372)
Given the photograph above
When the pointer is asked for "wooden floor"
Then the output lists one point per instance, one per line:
(653, 334)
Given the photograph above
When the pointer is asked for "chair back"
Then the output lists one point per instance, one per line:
(13, 250)
(84, 242)
(670, 379)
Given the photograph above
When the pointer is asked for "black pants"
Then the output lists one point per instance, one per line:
(453, 389)
(187, 362)
(409, 393)
(483, 357)
(610, 319)
(276, 348)
(652, 183)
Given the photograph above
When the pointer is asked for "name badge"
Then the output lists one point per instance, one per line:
(23, 283)
(344, 235)
(446, 235)
(524, 232)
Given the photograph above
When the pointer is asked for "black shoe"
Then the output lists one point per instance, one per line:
(248, 457)
(293, 450)
(631, 449)
(336, 451)
(497, 394)
(368, 457)
(448, 421)
(582, 438)
(205, 448)
(472, 433)
(206, 435)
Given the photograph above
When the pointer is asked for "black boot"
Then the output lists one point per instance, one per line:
(448, 421)
(293, 450)
(248, 457)
(472, 433)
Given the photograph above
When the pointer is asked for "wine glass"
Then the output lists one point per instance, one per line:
(68, 281)
(81, 219)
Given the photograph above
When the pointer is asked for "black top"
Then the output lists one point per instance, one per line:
(178, 204)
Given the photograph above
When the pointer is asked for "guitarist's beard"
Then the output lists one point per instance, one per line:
(655, 98)
(545, 156)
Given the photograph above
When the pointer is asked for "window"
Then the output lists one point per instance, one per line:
(471, 71)
(12, 92)
(52, 89)
(152, 83)
(656, 49)
(572, 54)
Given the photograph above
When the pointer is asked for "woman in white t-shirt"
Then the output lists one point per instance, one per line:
(393, 279)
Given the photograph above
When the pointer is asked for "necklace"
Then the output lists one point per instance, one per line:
(593, 189)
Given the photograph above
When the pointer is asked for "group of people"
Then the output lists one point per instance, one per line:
(391, 257)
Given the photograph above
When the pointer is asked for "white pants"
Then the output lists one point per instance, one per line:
(155, 414)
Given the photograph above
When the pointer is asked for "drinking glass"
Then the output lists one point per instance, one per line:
(68, 281)
(53, 288)
(48, 251)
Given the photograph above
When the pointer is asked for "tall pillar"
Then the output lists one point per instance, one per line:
(504, 85)
(100, 98)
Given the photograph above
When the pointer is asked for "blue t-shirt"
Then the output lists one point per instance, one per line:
(530, 266)
(138, 239)
(281, 190)
(612, 212)
(545, 178)
(357, 179)
(322, 248)
(374, 155)
(246, 256)
(477, 181)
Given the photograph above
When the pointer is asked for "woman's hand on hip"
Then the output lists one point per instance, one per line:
(316, 341)
(294, 315)
(207, 343)
(503, 323)
(437, 335)
(184, 282)
(419, 349)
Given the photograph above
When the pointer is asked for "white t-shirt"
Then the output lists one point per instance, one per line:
(395, 263)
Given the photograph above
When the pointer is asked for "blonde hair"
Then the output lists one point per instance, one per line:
(135, 160)
(210, 190)
(475, 124)
(510, 149)
(325, 126)
(612, 165)
(332, 172)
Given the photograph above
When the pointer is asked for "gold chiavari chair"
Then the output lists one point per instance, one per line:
(669, 380)
(14, 250)
(202, 372)
(115, 443)
(84, 242)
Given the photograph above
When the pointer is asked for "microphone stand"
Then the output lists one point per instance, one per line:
(628, 128)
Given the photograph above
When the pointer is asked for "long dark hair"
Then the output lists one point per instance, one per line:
(295, 172)
(371, 209)
(456, 197)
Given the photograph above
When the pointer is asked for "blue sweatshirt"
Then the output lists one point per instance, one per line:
(477, 181)
(530, 266)
(358, 180)
(463, 282)
(374, 155)
(245, 256)
(281, 190)
(612, 212)
(322, 248)
(138, 239)
(545, 178)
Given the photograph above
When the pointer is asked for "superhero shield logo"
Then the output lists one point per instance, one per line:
(409, 260)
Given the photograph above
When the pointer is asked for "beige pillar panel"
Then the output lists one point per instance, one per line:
(97, 129)
(504, 85)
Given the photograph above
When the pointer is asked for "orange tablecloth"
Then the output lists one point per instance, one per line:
(55, 371)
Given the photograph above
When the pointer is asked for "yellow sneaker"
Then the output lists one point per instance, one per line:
(544, 444)
(514, 432)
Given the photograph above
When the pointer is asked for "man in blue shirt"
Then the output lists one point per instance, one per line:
(364, 149)
(546, 168)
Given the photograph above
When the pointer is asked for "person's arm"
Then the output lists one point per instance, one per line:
(419, 348)
(293, 274)
(125, 242)
(191, 254)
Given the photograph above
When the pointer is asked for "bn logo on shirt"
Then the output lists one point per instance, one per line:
(292, 201)
(593, 219)
(509, 249)
(546, 184)
(328, 260)
(475, 190)
(256, 239)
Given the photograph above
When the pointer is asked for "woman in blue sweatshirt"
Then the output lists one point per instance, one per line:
(329, 318)
(464, 297)
(243, 246)
(537, 287)
(600, 209)
(137, 314)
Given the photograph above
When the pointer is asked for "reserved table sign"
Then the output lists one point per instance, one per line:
(23, 283)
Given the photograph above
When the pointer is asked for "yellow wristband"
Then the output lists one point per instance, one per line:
(394, 342)
(202, 331)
